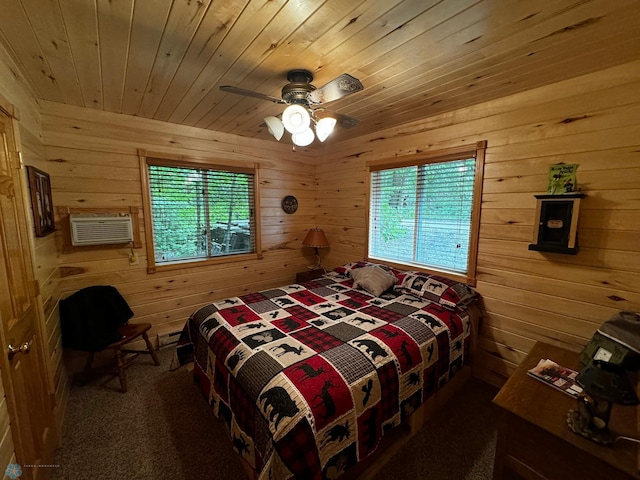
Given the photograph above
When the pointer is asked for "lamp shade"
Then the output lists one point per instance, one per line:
(304, 138)
(275, 126)
(324, 127)
(296, 119)
(315, 239)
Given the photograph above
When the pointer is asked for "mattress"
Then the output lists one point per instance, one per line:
(309, 377)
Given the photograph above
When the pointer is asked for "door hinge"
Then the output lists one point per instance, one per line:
(16, 160)
(36, 288)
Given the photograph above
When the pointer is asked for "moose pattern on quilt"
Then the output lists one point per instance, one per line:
(308, 377)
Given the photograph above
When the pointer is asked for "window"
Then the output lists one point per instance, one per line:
(199, 212)
(424, 212)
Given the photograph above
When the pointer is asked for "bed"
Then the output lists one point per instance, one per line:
(309, 378)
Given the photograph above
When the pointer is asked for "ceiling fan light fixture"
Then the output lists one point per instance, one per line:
(275, 126)
(296, 119)
(324, 127)
(304, 138)
(299, 94)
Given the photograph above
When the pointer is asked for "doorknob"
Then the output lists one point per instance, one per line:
(13, 351)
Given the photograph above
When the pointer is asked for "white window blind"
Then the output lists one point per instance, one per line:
(422, 214)
(200, 213)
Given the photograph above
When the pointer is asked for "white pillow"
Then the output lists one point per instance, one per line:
(374, 280)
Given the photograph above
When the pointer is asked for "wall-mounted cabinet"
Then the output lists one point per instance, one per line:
(556, 228)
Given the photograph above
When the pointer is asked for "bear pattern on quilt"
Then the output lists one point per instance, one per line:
(308, 377)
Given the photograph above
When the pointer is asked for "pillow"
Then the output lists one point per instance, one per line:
(347, 268)
(448, 293)
(373, 279)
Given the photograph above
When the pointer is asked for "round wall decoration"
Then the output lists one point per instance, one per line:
(290, 204)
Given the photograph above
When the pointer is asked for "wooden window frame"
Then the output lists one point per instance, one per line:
(476, 151)
(147, 158)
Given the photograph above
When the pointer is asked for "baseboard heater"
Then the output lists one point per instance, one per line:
(168, 339)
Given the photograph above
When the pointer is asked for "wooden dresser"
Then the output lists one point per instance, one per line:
(534, 441)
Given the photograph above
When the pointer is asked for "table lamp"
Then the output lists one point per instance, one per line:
(316, 239)
(608, 359)
(604, 384)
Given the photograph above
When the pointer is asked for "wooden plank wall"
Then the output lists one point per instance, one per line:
(93, 162)
(15, 90)
(528, 296)
(593, 121)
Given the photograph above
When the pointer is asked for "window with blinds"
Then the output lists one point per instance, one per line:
(423, 214)
(200, 213)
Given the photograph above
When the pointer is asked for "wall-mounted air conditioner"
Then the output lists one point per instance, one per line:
(100, 229)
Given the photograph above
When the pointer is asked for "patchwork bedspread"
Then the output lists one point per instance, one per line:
(308, 377)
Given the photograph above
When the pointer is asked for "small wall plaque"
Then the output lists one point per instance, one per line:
(289, 204)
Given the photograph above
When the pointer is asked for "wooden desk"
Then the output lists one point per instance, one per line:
(535, 442)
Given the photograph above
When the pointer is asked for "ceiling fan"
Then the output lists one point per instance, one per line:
(302, 97)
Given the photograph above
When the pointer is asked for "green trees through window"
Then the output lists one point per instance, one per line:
(200, 213)
(423, 214)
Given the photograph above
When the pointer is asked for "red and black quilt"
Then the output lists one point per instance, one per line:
(308, 377)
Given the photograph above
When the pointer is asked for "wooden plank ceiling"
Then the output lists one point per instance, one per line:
(165, 59)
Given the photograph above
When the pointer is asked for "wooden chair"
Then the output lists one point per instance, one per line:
(129, 332)
(95, 319)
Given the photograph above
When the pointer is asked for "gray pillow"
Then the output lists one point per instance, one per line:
(374, 280)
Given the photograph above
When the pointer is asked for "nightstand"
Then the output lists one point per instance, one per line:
(534, 441)
(309, 275)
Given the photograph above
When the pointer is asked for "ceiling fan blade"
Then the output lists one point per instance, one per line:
(344, 121)
(337, 88)
(249, 93)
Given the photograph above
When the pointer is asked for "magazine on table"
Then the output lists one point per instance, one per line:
(556, 376)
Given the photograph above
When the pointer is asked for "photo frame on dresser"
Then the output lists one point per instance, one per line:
(41, 203)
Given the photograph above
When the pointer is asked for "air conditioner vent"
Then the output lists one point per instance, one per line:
(101, 229)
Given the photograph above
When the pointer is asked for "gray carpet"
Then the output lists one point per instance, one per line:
(163, 429)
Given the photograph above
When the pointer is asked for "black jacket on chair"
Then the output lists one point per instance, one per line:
(89, 319)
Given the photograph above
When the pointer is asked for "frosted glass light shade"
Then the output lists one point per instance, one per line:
(324, 127)
(303, 139)
(275, 126)
(296, 119)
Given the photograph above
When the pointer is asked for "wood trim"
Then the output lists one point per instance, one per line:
(198, 162)
(67, 247)
(573, 229)
(8, 108)
(256, 213)
(243, 257)
(436, 156)
(146, 204)
(367, 212)
(476, 212)
(449, 154)
(419, 268)
(536, 222)
(159, 158)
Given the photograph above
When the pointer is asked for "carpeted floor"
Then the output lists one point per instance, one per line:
(163, 429)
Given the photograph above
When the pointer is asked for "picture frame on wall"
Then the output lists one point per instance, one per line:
(41, 203)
